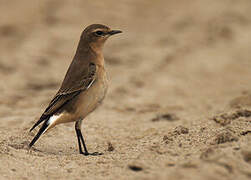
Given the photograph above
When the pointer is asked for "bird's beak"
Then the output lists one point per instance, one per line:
(112, 32)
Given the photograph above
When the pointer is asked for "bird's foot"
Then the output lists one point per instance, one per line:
(91, 154)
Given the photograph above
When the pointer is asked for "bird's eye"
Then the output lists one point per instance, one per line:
(99, 33)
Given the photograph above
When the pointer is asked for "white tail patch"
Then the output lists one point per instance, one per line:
(52, 120)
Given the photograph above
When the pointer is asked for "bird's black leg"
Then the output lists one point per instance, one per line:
(81, 139)
(79, 142)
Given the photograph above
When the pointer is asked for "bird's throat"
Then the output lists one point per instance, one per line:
(98, 52)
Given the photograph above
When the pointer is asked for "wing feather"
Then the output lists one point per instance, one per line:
(66, 94)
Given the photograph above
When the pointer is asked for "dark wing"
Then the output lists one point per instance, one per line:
(67, 93)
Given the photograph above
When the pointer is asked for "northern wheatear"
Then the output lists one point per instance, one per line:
(83, 88)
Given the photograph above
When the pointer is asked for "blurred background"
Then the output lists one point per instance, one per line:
(179, 96)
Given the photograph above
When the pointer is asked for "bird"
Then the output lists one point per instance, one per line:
(84, 86)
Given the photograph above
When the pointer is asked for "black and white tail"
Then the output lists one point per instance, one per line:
(48, 123)
(40, 132)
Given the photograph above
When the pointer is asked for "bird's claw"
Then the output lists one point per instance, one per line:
(91, 154)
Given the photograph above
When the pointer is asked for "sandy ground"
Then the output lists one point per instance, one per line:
(179, 102)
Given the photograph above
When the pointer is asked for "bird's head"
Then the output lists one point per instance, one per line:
(97, 34)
